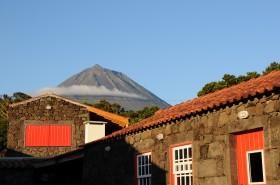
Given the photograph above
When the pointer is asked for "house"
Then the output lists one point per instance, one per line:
(49, 125)
(229, 137)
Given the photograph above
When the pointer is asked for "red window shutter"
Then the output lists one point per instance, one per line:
(36, 135)
(48, 135)
(60, 135)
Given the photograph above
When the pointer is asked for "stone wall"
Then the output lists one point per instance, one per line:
(212, 136)
(35, 112)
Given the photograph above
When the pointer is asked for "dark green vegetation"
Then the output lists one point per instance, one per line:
(5, 101)
(134, 116)
(230, 80)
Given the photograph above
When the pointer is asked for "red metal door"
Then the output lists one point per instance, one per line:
(48, 135)
(249, 145)
(36, 135)
(60, 135)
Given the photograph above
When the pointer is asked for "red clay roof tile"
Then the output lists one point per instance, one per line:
(225, 96)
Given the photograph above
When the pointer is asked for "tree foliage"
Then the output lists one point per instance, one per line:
(230, 80)
(134, 116)
(109, 107)
(5, 101)
(273, 66)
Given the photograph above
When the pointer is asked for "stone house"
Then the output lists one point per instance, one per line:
(50, 125)
(229, 137)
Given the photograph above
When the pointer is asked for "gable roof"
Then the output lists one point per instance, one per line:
(120, 120)
(233, 94)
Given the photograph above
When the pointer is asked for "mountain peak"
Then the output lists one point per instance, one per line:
(113, 86)
(97, 66)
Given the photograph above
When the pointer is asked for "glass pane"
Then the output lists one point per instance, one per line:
(188, 180)
(181, 154)
(183, 180)
(256, 168)
(139, 171)
(142, 182)
(140, 160)
(190, 152)
(146, 160)
(178, 181)
(185, 153)
(176, 154)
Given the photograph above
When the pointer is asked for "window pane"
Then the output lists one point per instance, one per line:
(190, 152)
(181, 154)
(145, 159)
(185, 153)
(139, 171)
(178, 180)
(176, 154)
(182, 165)
(188, 180)
(183, 180)
(256, 168)
(142, 181)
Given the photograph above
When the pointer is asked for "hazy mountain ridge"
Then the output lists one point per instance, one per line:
(99, 77)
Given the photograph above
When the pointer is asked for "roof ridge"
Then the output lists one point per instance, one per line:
(121, 120)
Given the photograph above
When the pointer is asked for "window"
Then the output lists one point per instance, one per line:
(182, 165)
(44, 135)
(144, 172)
(255, 167)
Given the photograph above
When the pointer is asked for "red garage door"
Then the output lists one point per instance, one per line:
(250, 158)
(48, 135)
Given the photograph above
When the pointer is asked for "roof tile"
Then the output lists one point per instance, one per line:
(232, 94)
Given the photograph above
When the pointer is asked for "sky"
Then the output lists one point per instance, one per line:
(172, 48)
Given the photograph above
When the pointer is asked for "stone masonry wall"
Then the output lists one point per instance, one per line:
(211, 135)
(35, 112)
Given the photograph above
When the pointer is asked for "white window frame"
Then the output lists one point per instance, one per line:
(140, 176)
(249, 170)
(185, 163)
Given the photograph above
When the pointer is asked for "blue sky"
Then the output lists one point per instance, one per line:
(170, 47)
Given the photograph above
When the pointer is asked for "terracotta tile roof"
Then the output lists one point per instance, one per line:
(222, 97)
(120, 120)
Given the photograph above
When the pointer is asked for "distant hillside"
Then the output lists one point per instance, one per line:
(98, 83)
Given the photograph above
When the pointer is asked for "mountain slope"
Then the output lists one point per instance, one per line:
(96, 83)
